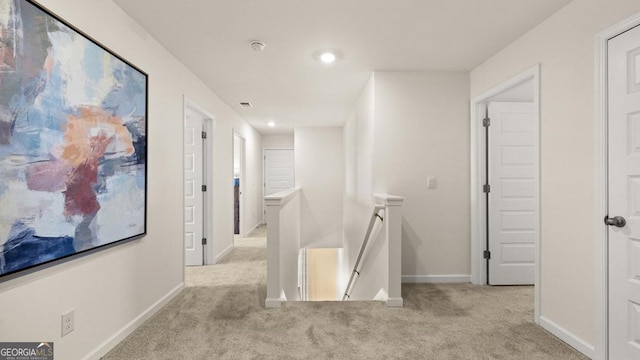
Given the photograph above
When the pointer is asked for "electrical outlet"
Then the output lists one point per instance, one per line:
(68, 322)
(431, 182)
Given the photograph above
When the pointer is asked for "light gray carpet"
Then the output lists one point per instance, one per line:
(221, 315)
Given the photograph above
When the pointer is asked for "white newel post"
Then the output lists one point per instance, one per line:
(273, 252)
(283, 245)
(393, 232)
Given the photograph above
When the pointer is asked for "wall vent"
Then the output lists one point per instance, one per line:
(246, 104)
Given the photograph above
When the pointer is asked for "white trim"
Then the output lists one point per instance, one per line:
(478, 264)
(282, 197)
(600, 181)
(435, 279)
(208, 150)
(569, 338)
(254, 227)
(388, 199)
(108, 345)
(223, 253)
(272, 303)
(395, 302)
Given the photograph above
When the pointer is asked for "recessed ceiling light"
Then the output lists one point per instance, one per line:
(246, 104)
(327, 56)
(271, 124)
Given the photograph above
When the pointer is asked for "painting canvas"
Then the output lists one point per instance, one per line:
(72, 141)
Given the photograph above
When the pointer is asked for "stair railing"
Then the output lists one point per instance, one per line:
(375, 215)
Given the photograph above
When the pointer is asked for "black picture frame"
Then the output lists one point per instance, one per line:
(73, 142)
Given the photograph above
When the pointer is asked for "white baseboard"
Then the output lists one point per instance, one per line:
(395, 302)
(435, 279)
(224, 253)
(272, 303)
(253, 228)
(569, 338)
(116, 338)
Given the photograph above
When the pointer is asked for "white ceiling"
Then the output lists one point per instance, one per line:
(287, 85)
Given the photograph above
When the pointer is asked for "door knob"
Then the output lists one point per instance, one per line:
(617, 221)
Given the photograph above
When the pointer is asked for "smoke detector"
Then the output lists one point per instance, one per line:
(257, 46)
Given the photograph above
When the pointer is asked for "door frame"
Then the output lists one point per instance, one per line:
(478, 201)
(601, 183)
(243, 161)
(209, 126)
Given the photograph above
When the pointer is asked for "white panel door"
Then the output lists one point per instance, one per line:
(513, 199)
(279, 173)
(624, 195)
(193, 195)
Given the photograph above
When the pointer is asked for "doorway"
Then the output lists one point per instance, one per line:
(505, 184)
(197, 179)
(238, 185)
(617, 215)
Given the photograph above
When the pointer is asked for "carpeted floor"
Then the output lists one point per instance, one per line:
(221, 315)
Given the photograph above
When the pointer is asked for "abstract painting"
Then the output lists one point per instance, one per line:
(73, 144)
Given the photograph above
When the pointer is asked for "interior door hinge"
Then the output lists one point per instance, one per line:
(204, 187)
(486, 188)
(487, 254)
(486, 122)
(204, 134)
(204, 241)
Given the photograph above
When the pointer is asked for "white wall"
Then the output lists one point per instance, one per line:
(422, 129)
(564, 46)
(407, 126)
(110, 289)
(237, 143)
(358, 146)
(277, 141)
(319, 170)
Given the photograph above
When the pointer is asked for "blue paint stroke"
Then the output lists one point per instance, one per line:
(127, 98)
(24, 249)
(139, 144)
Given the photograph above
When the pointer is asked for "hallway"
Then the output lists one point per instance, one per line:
(221, 315)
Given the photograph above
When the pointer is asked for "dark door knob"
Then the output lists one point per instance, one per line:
(617, 221)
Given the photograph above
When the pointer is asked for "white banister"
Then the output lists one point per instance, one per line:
(283, 245)
(393, 232)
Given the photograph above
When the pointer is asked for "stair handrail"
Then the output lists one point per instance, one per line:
(372, 221)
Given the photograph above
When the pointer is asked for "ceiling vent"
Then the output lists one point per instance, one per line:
(246, 105)
(257, 46)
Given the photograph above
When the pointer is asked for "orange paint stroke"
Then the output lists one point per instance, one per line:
(81, 130)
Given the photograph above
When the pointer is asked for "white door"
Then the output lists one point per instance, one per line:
(193, 194)
(513, 199)
(279, 173)
(624, 195)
